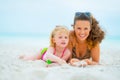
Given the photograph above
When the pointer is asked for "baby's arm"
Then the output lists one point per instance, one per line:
(54, 58)
(49, 55)
(66, 55)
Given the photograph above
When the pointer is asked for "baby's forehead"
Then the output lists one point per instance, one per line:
(62, 33)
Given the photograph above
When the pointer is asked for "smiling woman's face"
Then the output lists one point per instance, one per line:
(82, 29)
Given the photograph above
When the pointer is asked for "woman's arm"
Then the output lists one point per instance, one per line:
(95, 54)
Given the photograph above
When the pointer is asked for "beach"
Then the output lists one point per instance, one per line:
(13, 68)
(25, 27)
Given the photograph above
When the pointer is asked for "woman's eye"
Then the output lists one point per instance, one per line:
(86, 28)
(78, 28)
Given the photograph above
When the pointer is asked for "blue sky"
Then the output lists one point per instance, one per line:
(36, 17)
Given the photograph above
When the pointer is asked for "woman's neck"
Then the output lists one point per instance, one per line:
(81, 42)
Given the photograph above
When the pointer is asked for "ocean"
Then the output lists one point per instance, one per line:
(44, 40)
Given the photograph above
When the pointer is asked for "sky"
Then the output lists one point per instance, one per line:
(39, 17)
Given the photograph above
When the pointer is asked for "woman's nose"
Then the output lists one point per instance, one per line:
(82, 31)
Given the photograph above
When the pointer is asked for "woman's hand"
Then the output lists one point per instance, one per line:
(90, 62)
(73, 60)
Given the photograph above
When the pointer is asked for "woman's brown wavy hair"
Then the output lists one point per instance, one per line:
(96, 34)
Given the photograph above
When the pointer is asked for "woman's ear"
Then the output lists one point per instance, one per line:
(73, 26)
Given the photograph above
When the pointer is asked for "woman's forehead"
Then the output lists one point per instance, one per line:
(82, 23)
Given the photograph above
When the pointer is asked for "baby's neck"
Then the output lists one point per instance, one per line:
(59, 49)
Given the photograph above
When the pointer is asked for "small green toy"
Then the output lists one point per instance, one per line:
(48, 61)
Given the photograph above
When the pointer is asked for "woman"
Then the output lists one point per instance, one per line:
(85, 40)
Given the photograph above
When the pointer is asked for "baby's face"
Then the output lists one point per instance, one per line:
(61, 39)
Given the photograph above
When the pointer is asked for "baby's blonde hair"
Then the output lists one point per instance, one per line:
(58, 29)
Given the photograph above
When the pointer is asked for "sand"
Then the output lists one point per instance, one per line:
(13, 68)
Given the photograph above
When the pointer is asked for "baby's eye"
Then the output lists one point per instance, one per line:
(66, 37)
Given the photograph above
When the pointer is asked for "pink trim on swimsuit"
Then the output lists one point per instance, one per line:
(43, 56)
(62, 52)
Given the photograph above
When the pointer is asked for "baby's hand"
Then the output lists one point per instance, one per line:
(62, 62)
(21, 56)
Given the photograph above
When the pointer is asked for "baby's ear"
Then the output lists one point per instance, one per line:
(53, 40)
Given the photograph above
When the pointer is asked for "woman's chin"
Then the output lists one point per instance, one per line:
(82, 39)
